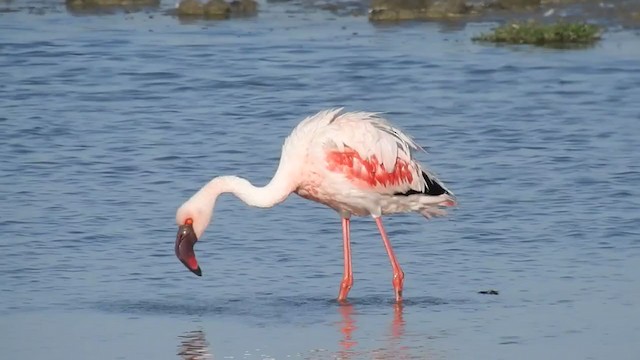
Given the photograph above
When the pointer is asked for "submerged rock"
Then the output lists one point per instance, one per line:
(112, 2)
(216, 9)
(516, 4)
(244, 7)
(394, 10)
(106, 5)
(559, 2)
(450, 8)
(190, 8)
(630, 18)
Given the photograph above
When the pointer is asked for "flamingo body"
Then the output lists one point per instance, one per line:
(356, 163)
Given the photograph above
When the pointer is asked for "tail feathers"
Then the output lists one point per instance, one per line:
(433, 208)
(432, 212)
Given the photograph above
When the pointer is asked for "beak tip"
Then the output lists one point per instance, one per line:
(197, 271)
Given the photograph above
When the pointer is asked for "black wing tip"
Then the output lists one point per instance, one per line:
(432, 188)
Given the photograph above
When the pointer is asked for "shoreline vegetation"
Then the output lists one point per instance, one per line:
(552, 23)
(557, 35)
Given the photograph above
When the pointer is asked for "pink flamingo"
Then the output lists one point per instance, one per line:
(356, 163)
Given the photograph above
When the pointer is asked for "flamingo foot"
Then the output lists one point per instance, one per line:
(398, 282)
(345, 286)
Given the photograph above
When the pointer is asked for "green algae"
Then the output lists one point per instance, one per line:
(558, 34)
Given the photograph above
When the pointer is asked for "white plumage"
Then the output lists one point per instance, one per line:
(370, 136)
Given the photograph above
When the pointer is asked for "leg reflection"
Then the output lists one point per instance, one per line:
(397, 325)
(194, 346)
(347, 327)
(393, 347)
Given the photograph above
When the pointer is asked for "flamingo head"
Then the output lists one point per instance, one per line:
(192, 221)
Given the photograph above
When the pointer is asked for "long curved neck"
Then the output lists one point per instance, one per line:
(201, 205)
(275, 192)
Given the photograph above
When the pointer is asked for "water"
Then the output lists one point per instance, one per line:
(109, 123)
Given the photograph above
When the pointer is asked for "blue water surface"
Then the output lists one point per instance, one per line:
(108, 123)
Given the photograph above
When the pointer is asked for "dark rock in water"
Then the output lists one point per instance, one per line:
(217, 9)
(106, 5)
(516, 4)
(244, 7)
(113, 2)
(402, 4)
(488, 292)
(629, 16)
(395, 10)
(449, 8)
(190, 8)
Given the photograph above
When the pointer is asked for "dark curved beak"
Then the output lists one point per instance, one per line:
(185, 240)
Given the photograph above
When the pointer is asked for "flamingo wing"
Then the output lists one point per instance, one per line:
(372, 153)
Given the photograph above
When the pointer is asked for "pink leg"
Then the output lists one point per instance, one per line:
(398, 275)
(347, 280)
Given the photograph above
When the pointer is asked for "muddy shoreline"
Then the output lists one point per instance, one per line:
(612, 13)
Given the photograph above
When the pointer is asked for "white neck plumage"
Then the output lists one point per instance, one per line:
(200, 206)
(275, 192)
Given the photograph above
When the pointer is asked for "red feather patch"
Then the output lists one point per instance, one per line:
(369, 170)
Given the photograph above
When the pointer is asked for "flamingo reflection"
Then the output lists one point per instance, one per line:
(194, 346)
(348, 329)
(397, 325)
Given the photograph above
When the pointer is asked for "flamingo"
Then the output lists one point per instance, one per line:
(356, 163)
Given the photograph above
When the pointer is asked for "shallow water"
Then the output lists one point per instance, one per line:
(108, 123)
